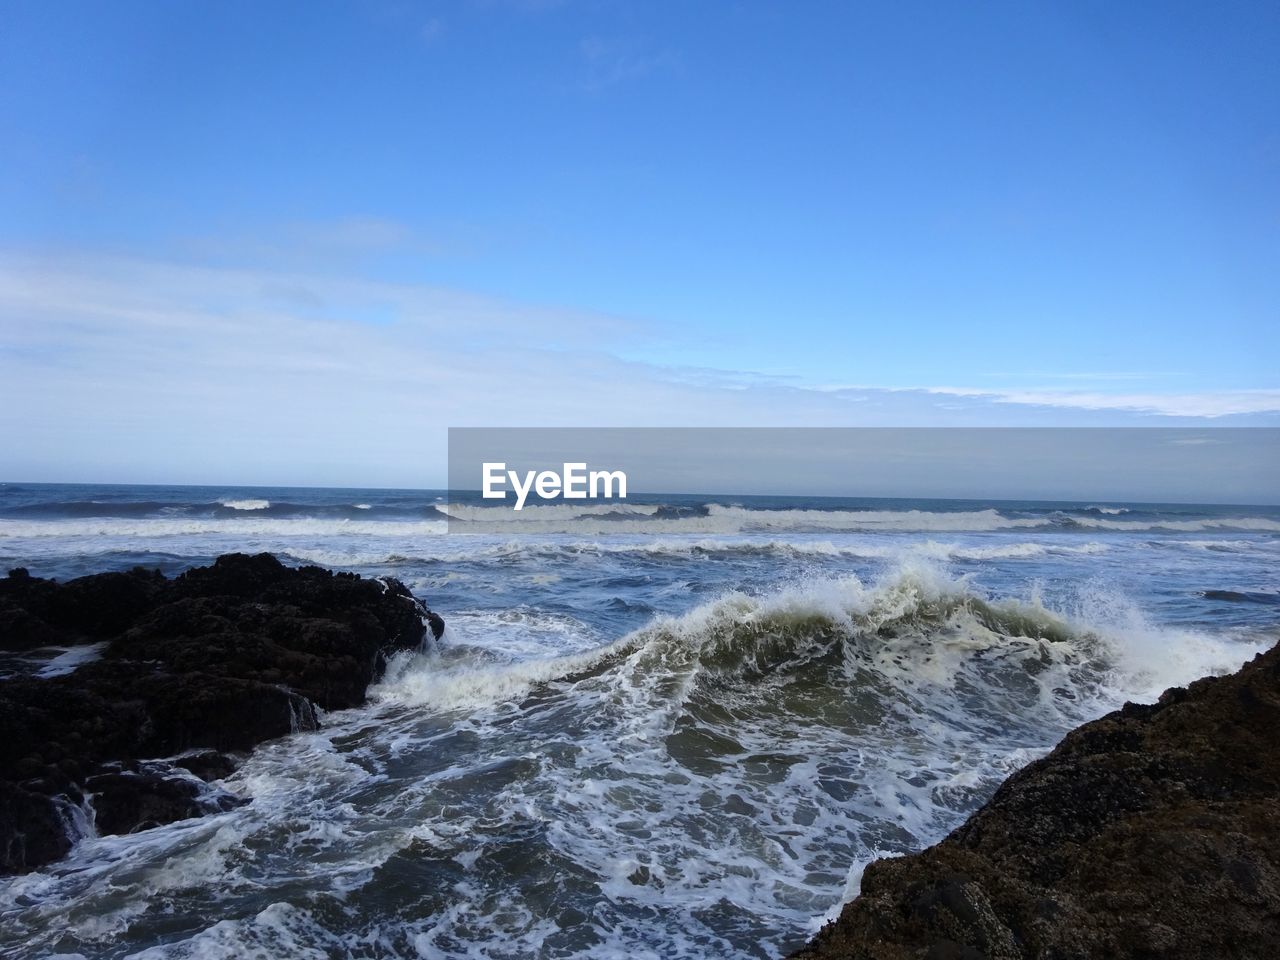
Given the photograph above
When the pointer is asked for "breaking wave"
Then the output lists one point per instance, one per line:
(710, 782)
(246, 504)
(634, 519)
(543, 512)
(917, 623)
(1245, 524)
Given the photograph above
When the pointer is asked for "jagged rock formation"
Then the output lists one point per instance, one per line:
(1151, 832)
(222, 657)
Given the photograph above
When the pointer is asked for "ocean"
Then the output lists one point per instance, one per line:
(670, 727)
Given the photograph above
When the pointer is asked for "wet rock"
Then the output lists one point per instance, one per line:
(87, 608)
(214, 661)
(208, 764)
(134, 796)
(1150, 832)
(32, 830)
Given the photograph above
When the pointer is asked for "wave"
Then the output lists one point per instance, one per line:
(214, 526)
(463, 550)
(714, 774)
(867, 551)
(1008, 551)
(818, 548)
(915, 624)
(1218, 546)
(1241, 524)
(536, 512)
(720, 520)
(912, 520)
(918, 623)
(1243, 596)
(91, 508)
(709, 520)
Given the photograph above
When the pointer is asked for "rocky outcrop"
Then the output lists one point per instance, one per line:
(195, 669)
(1152, 832)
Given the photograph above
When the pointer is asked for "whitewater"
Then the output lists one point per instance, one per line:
(671, 727)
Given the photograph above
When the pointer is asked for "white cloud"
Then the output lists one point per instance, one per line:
(127, 369)
(1210, 404)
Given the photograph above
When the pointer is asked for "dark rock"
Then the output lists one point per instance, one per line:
(1151, 832)
(208, 764)
(135, 797)
(436, 623)
(218, 659)
(32, 829)
(88, 608)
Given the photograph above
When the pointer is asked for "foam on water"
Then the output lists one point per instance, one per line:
(231, 527)
(708, 782)
(246, 504)
(540, 512)
(1259, 524)
(663, 733)
(70, 659)
(715, 520)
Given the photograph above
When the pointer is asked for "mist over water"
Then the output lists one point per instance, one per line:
(675, 728)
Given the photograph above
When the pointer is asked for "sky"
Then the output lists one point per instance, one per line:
(293, 243)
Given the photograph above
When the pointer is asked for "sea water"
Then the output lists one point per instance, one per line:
(670, 727)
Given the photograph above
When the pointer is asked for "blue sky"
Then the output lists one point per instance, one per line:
(260, 242)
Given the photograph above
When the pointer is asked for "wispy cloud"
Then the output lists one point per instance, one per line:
(345, 242)
(1209, 404)
(611, 60)
(134, 369)
(1198, 405)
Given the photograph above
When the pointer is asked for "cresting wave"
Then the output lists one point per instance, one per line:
(693, 548)
(916, 622)
(708, 782)
(246, 504)
(876, 714)
(1248, 524)
(598, 520)
(230, 526)
(534, 512)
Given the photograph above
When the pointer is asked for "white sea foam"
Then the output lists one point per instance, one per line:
(1220, 546)
(541, 512)
(862, 549)
(742, 518)
(470, 548)
(1246, 524)
(279, 930)
(246, 504)
(706, 784)
(241, 527)
(613, 520)
(72, 658)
